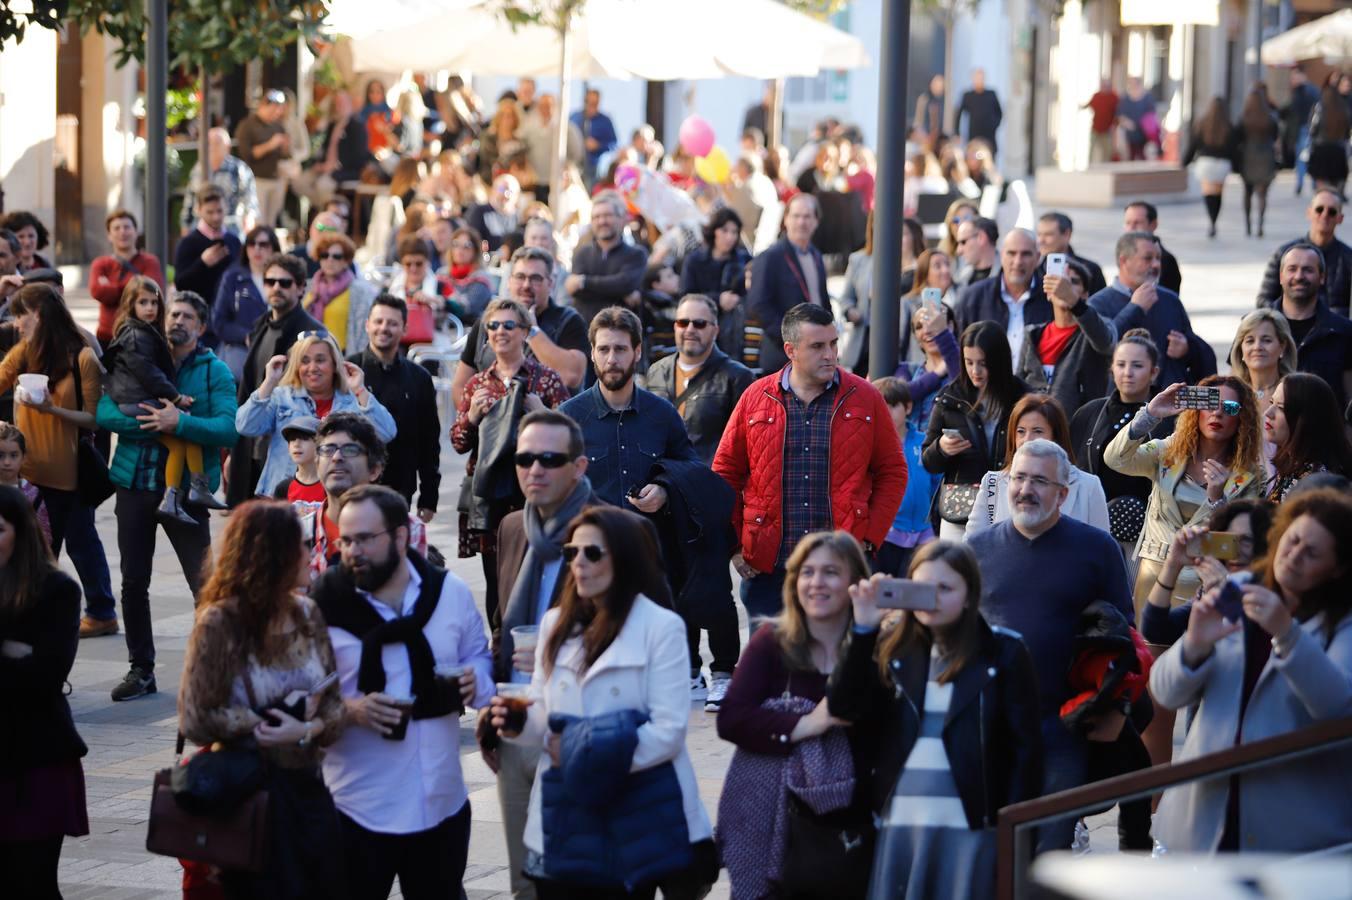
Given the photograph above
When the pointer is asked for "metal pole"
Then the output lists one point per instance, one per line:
(885, 307)
(157, 174)
(1257, 74)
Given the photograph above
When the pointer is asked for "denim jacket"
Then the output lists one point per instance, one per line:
(623, 445)
(266, 418)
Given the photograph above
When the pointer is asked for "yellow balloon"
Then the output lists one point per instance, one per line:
(713, 168)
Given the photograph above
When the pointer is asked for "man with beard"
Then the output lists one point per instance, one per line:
(350, 455)
(401, 628)
(627, 429)
(1323, 338)
(272, 335)
(406, 390)
(138, 471)
(606, 272)
(557, 337)
(1040, 570)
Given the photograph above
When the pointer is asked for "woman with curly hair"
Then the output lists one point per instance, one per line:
(1212, 457)
(259, 644)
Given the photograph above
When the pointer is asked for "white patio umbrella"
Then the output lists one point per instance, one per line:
(1328, 38)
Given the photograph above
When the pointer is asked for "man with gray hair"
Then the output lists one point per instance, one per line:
(1040, 571)
(1012, 297)
(606, 272)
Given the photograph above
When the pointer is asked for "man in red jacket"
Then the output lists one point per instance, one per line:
(810, 447)
(109, 274)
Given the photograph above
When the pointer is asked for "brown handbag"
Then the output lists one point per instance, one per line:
(236, 841)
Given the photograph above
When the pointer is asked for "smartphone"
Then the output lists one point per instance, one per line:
(322, 684)
(1056, 264)
(902, 593)
(953, 433)
(1207, 398)
(931, 297)
(1230, 603)
(1221, 545)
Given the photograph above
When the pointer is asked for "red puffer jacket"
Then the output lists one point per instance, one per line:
(868, 468)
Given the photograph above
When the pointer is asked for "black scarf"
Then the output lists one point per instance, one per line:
(343, 607)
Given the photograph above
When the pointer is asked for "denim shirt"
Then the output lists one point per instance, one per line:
(624, 444)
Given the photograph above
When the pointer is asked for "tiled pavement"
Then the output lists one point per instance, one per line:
(129, 741)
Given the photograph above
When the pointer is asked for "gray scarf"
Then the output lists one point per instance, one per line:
(544, 540)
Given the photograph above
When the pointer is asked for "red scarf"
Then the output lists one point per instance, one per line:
(461, 272)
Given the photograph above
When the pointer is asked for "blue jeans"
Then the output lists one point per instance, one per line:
(762, 595)
(1065, 765)
(73, 526)
(1302, 155)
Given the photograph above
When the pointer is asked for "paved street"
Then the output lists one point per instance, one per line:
(129, 741)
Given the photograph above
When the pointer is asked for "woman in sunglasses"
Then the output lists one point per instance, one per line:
(239, 299)
(313, 379)
(1213, 456)
(612, 660)
(506, 323)
(336, 296)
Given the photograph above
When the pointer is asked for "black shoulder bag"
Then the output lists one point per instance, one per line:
(92, 483)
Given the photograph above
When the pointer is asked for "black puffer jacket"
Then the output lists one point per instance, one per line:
(140, 366)
(955, 407)
(992, 733)
(710, 396)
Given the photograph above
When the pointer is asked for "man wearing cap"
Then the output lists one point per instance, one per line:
(262, 142)
(305, 486)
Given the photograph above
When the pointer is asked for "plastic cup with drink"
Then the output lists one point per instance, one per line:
(516, 698)
(405, 707)
(524, 640)
(34, 387)
(448, 683)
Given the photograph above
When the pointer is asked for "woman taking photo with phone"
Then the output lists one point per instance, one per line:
(1301, 422)
(42, 786)
(313, 379)
(967, 428)
(258, 643)
(612, 661)
(933, 270)
(777, 700)
(1259, 660)
(954, 704)
(1213, 456)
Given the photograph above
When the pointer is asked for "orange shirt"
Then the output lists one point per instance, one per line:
(52, 441)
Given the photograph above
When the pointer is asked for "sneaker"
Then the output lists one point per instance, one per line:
(91, 627)
(698, 691)
(718, 689)
(137, 683)
(1080, 846)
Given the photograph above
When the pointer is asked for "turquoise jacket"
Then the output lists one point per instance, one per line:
(138, 460)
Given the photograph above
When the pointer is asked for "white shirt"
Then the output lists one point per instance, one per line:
(402, 787)
(1014, 330)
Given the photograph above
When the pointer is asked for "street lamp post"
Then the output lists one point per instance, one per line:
(885, 307)
(157, 175)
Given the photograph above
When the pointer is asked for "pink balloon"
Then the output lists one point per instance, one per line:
(697, 136)
(627, 178)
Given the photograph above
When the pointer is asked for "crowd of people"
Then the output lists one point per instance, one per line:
(1096, 527)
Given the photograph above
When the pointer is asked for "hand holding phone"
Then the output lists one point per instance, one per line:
(903, 593)
(1230, 603)
(1220, 545)
(1056, 264)
(1200, 398)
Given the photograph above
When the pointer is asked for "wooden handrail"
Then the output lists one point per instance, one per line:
(1018, 818)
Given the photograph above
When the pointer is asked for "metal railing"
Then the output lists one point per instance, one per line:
(1017, 821)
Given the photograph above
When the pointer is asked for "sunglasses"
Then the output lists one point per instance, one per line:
(341, 257)
(268, 244)
(1230, 407)
(1326, 210)
(279, 282)
(549, 459)
(697, 324)
(506, 326)
(591, 551)
(306, 335)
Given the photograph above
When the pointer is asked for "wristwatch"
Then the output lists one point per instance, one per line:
(530, 335)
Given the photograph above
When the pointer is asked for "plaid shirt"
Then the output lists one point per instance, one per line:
(807, 464)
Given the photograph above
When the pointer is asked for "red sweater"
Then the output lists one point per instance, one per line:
(109, 275)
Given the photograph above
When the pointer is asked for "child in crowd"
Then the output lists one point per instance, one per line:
(13, 448)
(141, 371)
(300, 443)
(661, 296)
(911, 528)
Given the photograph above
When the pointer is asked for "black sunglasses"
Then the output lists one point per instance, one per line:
(1331, 210)
(279, 282)
(265, 243)
(549, 459)
(591, 551)
(507, 326)
(338, 256)
(697, 324)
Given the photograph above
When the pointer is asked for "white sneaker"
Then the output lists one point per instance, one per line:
(698, 691)
(718, 689)
(1080, 846)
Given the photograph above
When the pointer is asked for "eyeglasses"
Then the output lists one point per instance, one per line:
(697, 324)
(461, 245)
(341, 257)
(1036, 481)
(279, 282)
(508, 325)
(550, 459)
(520, 278)
(348, 451)
(1326, 210)
(358, 540)
(591, 551)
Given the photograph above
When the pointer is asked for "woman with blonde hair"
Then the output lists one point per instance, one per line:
(337, 296)
(314, 380)
(959, 211)
(1263, 352)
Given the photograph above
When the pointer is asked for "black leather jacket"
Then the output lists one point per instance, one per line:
(955, 407)
(992, 733)
(710, 396)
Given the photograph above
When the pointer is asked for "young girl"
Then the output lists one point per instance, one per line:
(300, 444)
(13, 449)
(141, 371)
(957, 737)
